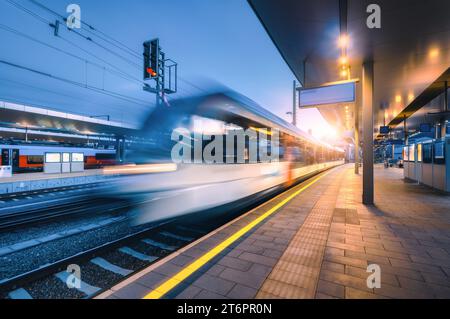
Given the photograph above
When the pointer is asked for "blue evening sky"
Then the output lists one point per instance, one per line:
(220, 40)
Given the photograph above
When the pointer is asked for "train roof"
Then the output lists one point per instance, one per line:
(253, 107)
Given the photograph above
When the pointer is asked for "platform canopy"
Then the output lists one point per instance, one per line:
(410, 52)
(19, 117)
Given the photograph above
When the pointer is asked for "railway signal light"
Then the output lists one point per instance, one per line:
(163, 71)
(151, 72)
(151, 59)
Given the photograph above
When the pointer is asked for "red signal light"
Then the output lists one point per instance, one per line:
(151, 72)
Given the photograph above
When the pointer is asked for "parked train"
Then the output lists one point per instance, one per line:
(25, 158)
(173, 187)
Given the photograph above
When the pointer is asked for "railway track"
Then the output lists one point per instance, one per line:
(115, 260)
(78, 208)
(110, 262)
(36, 215)
(21, 195)
(38, 206)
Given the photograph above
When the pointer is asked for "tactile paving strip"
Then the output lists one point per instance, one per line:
(297, 272)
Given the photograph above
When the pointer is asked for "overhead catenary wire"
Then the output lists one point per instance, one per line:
(120, 71)
(79, 84)
(47, 22)
(43, 20)
(134, 64)
(117, 72)
(86, 102)
(91, 29)
(103, 91)
(20, 7)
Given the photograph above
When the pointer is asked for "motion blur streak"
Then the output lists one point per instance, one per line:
(224, 170)
(172, 282)
(140, 169)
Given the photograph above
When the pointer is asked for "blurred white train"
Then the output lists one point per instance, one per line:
(171, 189)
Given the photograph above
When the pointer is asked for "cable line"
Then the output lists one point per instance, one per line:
(105, 37)
(118, 73)
(79, 84)
(40, 18)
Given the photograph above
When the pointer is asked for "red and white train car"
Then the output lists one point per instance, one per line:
(30, 158)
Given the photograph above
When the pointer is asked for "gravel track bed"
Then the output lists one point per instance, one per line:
(36, 231)
(150, 250)
(52, 288)
(32, 258)
(97, 276)
(167, 240)
(125, 261)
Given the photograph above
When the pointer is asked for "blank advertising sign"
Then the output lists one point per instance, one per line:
(328, 94)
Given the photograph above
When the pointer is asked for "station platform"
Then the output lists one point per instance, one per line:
(37, 181)
(315, 241)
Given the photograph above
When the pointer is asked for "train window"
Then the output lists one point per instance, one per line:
(35, 159)
(105, 156)
(427, 153)
(15, 158)
(66, 157)
(310, 154)
(77, 157)
(320, 155)
(302, 152)
(405, 154)
(439, 157)
(207, 126)
(298, 156)
(439, 150)
(412, 154)
(53, 157)
(5, 156)
(419, 152)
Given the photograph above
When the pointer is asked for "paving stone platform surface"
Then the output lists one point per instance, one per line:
(319, 246)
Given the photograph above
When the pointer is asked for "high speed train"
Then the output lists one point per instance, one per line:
(170, 187)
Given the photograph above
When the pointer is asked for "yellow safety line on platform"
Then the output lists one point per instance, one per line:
(179, 277)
